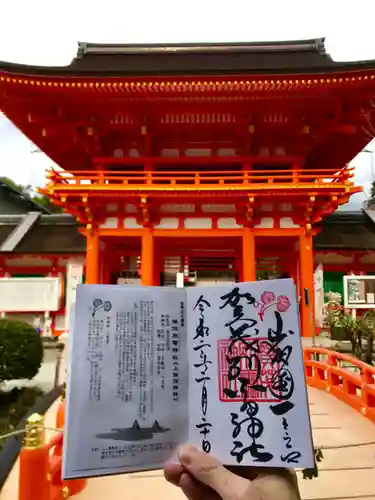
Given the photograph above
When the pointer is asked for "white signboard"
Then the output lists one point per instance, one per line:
(74, 277)
(180, 280)
(154, 367)
(30, 294)
(319, 295)
(359, 292)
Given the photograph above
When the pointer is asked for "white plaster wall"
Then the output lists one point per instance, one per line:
(131, 223)
(175, 207)
(28, 261)
(287, 222)
(110, 223)
(228, 223)
(168, 223)
(198, 223)
(266, 223)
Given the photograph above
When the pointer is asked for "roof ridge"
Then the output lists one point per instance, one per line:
(310, 45)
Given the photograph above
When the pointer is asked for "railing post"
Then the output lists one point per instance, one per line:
(101, 179)
(245, 173)
(332, 379)
(295, 174)
(74, 486)
(367, 379)
(34, 481)
(367, 376)
(307, 357)
(332, 359)
(148, 178)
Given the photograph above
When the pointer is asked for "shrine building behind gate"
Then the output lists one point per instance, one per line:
(201, 159)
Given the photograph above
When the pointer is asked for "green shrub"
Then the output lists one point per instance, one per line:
(21, 350)
(14, 405)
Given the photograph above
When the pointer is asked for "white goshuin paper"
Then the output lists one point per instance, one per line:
(185, 401)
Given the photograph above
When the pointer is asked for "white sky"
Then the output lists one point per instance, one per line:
(46, 33)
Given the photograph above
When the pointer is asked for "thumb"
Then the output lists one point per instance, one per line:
(212, 473)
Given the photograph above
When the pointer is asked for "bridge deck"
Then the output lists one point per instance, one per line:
(345, 473)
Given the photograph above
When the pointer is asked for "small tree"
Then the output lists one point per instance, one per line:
(332, 314)
(353, 331)
(343, 326)
(21, 350)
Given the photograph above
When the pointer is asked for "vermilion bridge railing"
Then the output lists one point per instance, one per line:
(344, 377)
(215, 179)
(41, 463)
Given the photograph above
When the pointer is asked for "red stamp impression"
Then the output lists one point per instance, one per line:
(268, 370)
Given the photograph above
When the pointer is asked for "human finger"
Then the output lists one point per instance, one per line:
(278, 482)
(209, 471)
(193, 489)
(173, 472)
(255, 472)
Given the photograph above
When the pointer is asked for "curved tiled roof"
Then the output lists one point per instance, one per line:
(25, 198)
(346, 230)
(278, 57)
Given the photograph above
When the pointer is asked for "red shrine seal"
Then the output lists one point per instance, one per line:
(260, 364)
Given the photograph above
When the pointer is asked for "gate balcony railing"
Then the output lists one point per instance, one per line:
(200, 180)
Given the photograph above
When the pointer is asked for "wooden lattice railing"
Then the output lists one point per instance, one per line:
(216, 180)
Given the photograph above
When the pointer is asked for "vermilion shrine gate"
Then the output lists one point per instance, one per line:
(197, 157)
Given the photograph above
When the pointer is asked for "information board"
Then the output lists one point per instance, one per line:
(74, 277)
(359, 292)
(29, 294)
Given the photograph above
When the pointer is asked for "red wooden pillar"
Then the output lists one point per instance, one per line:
(92, 255)
(306, 271)
(248, 255)
(147, 259)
